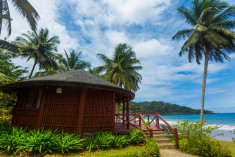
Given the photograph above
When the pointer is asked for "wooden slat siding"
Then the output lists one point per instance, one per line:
(99, 110)
(24, 117)
(41, 108)
(60, 111)
(15, 117)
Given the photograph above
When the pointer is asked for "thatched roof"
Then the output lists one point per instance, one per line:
(76, 77)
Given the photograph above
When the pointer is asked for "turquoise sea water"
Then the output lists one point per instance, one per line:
(225, 120)
(222, 118)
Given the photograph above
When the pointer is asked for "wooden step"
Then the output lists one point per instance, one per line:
(160, 136)
(166, 146)
(155, 132)
(164, 140)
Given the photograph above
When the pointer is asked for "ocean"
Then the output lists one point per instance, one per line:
(225, 120)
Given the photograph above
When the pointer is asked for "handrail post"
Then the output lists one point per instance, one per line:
(148, 116)
(157, 121)
(176, 138)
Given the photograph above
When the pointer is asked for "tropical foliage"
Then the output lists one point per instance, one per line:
(195, 138)
(39, 47)
(151, 149)
(122, 69)
(73, 61)
(211, 35)
(9, 72)
(25, 9)
(13, 139)
(104, 140)
(162, 108)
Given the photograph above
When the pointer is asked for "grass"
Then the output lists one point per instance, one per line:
(226, 144)
(97, 153)
(229, 145)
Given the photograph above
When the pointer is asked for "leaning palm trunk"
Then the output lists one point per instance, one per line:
(204, 85)
(31, 73)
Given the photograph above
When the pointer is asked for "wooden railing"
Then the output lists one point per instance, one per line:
(139, 121)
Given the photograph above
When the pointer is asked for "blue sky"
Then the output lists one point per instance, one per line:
(95, 27)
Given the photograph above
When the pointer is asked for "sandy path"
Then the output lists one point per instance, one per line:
(174, 153)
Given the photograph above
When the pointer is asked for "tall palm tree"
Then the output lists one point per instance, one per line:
(40, 47)
(122, 69)
(73, 61)
(211, 34)
(23, 7)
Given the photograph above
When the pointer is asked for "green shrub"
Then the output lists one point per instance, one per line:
(67, 142)
(106, 140)
(11, 141)
(5, 126)
(150, 150)
(135, 137)
(197, 141)
(38, 141)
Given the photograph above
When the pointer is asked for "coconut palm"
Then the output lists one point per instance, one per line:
(210, 34)
(73, 61)
(39, 47)
(122, 69)
(23, 7)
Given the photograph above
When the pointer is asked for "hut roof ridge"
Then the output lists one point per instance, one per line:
(75, 77)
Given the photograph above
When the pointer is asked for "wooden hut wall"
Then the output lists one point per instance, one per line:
(24, 117)
(61, 109)
(99, 110)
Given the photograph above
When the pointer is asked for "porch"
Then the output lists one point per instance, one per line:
(145, 122)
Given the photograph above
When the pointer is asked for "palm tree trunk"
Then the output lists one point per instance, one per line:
(204, 84)
(31, 73)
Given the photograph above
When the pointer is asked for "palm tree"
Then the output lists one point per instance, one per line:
(73, 61)
(122, 69)
(23, 7)
(210, 35)
(40, 47)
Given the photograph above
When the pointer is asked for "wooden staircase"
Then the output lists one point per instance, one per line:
(162, 138)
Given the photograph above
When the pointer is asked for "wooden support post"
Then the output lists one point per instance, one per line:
(41, 108)
(176, 138)
(114, 110)
(81, 111)
(123, 112)
(128, 112)
(157, 121)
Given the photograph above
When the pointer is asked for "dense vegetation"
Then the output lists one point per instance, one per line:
(195, 138)
(162, 108)
(14, 139)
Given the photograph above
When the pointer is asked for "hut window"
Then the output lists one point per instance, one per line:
(32, 99)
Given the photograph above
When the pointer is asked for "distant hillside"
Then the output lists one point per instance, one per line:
(162, 108)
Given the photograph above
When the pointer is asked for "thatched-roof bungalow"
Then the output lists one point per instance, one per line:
(71, 101)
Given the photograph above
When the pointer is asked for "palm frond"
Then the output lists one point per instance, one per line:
(187, 15)
(8, 46)
(26, 10)
(182, 34)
